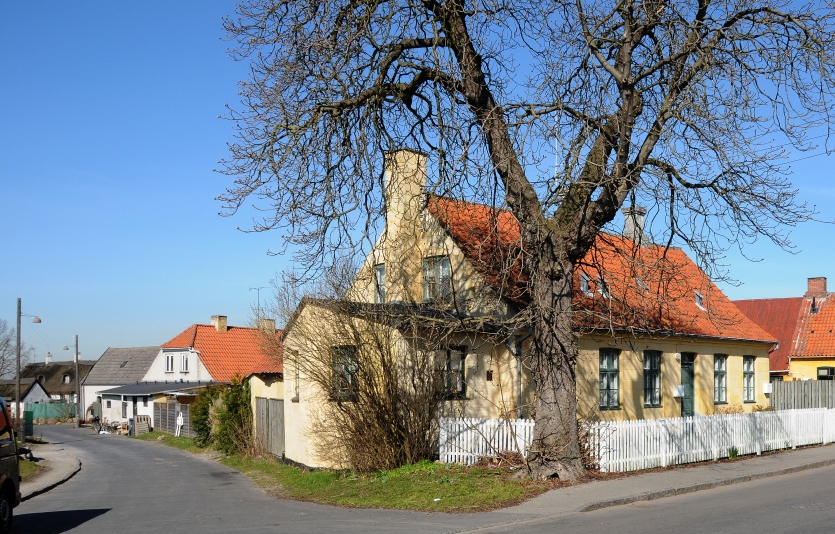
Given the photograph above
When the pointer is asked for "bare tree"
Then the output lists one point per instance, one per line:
(674, 105)
(8, 351)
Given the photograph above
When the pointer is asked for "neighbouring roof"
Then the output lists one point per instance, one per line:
(53, 374)
(236, 352)
(152, 388)
(122, 365)
(8, 388)
(778, 317)
(812, 329)
(636, 288)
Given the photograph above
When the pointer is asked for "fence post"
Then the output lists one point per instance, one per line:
(757, 435)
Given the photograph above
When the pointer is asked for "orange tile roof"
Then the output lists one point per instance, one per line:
(778, 317)
(236, 352)
(651, 288)
(814, 336)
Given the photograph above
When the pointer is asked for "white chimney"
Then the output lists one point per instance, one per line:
(633, 224)
(219, 322)
(48, 358)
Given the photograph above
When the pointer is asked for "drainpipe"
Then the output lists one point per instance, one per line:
(516, 350)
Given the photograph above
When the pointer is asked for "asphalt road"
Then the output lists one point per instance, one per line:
(128, 486)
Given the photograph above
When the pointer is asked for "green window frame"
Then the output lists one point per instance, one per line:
(652, 378)
(749, 393)
(455, 368)
(609, 379)
(437, 280)
(345, 370)
(380, 283)
(720, 379)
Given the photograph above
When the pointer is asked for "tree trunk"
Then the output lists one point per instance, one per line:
(555, 450)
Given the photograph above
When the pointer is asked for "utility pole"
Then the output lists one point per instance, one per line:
(17, 382)
(77, 388)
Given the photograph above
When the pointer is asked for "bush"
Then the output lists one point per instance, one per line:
(201, 417)
(233, 428)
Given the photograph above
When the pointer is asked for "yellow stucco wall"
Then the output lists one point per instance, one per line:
(267, 387)
(632, 376)
(807, 368)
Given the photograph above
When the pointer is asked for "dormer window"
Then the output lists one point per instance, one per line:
(66, 378)
(641, 284)
(603, 287)
(379, 283)
(436, 278)
(169, 363)
(585, 285)
(700, 300)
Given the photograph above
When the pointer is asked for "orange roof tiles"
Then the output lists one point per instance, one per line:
(647, 288)
(814, 337)
(779, 317)
(236, 352)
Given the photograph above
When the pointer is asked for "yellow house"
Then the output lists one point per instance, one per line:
(804, 329)
(656, 337)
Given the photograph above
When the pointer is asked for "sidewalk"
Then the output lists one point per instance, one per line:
(60, 466)
(658, 484)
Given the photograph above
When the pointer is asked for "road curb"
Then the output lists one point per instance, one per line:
(44, 489)
(670, 492)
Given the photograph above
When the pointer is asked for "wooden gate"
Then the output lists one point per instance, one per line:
(269, 424)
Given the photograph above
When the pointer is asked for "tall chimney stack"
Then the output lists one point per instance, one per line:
(267, 325)
(816, 287)
(633, 224)
(219, 322)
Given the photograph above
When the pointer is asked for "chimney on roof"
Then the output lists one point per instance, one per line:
(816, 287)
(267, 325)
(404, 187)
(633, 224)
(219, 322)
(48, 358)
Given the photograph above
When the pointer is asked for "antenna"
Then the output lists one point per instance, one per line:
(258, 289)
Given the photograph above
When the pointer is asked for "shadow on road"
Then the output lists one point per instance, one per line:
(54, 522)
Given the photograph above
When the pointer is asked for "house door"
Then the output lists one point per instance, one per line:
(687, 379)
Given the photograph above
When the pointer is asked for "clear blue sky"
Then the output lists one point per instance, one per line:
(108, 138)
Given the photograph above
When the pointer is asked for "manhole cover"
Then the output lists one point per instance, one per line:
(815, 507)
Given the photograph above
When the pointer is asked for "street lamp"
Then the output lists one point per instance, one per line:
(35, 319)
(77, 387)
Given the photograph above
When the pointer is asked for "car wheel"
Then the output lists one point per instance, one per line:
(6, 513)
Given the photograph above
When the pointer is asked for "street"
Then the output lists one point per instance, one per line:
(130, 486)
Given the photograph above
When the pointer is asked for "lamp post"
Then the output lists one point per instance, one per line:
(77, 387)
(20, 429)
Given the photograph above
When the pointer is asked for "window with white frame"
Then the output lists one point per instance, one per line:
(748, 379)
(720, 378)
(602, 287)
(380, 283)
(169, 363)
(184, 362)
(585, 284)
(66, 378)
(436, 278)
(700, 300)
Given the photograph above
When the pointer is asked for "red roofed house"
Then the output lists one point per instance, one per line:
(804, 329)
(217, 353)
(656, 337)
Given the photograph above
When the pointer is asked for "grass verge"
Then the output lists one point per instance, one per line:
(29, 469)
(425, 486)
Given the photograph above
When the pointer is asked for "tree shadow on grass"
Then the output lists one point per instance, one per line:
(54, 522)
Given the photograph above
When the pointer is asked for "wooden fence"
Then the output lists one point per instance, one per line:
(465, 440)
(269, 424)
(648, 443)
(165, 418)
(797, 395)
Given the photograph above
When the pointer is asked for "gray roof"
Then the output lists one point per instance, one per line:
(122, 366)
(150, 388)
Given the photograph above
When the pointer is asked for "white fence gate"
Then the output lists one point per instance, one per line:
(644, 444)
(465, 440)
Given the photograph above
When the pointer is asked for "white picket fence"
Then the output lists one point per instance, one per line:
(648, 443)
(464, 440)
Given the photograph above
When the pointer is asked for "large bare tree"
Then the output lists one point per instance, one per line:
(687, 107)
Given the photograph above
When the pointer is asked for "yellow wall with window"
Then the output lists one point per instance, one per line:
(807, 368)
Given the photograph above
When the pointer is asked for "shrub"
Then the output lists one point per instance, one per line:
(200, 416)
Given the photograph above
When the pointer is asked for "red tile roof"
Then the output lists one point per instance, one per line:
(236, 352)
(814, 336)
(778, 317)
(650, 288)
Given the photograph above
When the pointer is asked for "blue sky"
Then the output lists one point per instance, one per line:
(108, 140)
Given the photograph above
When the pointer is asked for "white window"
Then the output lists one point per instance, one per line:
(748, 379)
(436, 279)
(700, 300)
(184, 363)
(603, 287)
(66, 379)
(642, 284)
(169, 363)
(585, 286)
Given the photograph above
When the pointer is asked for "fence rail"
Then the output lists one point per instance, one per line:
(465, 440)
(645, 444)
(798, 395)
